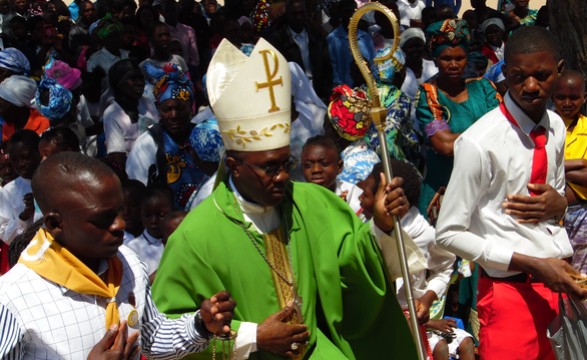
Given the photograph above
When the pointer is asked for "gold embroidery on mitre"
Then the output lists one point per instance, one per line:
(270, 76)
(242, 137)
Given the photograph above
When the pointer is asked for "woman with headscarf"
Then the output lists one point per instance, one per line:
(418, 69)
(447, 106)
(130, 113)
(13, 62)
(16, 112)
(164, 154)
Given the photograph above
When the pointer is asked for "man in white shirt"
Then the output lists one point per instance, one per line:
(502, 204)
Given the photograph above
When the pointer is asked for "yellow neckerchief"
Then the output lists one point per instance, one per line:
(55, 263)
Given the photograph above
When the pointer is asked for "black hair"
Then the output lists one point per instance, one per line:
(156, 190)
(62, 170)
(567, 73)
(156, 24)
(405, 170)
(322, 140)
(27, 137)
(531, 39)
(63, 137)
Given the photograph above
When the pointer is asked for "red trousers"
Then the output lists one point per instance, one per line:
(514, 317)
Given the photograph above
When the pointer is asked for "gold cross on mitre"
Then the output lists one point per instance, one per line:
(251, 96)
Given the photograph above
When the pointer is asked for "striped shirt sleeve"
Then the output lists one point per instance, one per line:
(163, 338)
(11, 336)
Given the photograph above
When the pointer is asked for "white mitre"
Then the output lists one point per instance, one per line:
(250, 96)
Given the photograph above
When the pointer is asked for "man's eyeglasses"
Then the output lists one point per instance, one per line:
(273, 170)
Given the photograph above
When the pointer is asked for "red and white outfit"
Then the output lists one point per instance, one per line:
(494, 158)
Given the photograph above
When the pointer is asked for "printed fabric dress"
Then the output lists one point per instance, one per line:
(436, 112)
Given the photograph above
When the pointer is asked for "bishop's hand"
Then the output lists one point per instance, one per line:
(275, 335)
(390, 201)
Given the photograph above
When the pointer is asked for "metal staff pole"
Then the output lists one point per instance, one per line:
(378, 114)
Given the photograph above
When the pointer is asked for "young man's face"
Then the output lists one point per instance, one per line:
(153, 211)
(321, 165)
(367, 198)
(90, 219)
(531, 78)
(24, 159)
(161, 38)
(569, 96)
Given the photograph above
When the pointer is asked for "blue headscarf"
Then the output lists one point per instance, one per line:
(59, 99)
(169, 82)
(206, 140)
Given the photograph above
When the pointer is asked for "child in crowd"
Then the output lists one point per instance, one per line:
(170, 222)
(321, 163)
(156, 203)
(504, 201)
(569, 97)
(56, 140)
(17, 209)
(134, 192)
(7, 173)
(431, 284)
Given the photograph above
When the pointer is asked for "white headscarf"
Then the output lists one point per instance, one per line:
(411, 33)
(492, 21)
(18, 90)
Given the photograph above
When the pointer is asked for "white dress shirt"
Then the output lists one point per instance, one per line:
(493, 159)
(410, 11)
(148, 248)
(11, 205)
(440, 262)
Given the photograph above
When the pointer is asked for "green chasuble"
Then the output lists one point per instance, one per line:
(349, 304)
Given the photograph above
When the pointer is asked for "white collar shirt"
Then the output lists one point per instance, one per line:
(149, 249)
(493, 159)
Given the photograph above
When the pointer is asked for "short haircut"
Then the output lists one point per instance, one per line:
(155, 26)
(27, 137)
(568, 73)
(531, 39)
(62, 171)
(63, 137)
(324, 141)
(405, 170)
(159, 190)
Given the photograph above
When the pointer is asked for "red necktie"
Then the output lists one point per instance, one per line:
(540, 158)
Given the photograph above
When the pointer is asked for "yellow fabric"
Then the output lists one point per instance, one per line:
(576, 148)
(52, 261)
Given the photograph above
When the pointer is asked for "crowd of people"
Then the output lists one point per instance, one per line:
(204, 181)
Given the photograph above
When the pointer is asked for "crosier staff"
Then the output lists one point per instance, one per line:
(378, 114)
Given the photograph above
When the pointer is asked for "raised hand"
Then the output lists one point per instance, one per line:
(390, 201)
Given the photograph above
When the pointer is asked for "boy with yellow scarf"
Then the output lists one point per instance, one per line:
(76, 292)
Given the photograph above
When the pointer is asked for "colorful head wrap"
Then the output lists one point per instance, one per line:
(108, 26)
(66, 76)
(169, 82)
(447, 33)
(18, 90)
(206, 140)
(348, 112)
(386, 70)
(15, 61)
(260, 16)
(59, 99)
